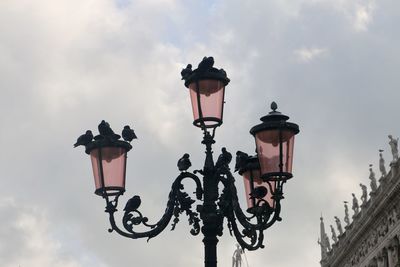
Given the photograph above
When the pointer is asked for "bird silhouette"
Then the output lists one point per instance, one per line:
(105, 129)
(84, 139)
(224, 158)
(259, 192)
(185, 73)
(133, 204)
(241, 158)
(128, 134)
(206, 64)
(184, 163)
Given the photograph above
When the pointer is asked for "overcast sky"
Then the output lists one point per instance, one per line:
(331, 65)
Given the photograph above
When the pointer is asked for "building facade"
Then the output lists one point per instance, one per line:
(372, 237)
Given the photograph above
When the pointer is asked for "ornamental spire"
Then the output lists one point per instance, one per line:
(323, 241)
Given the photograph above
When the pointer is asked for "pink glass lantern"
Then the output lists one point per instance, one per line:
(253, 183)
(109, 166)
(208, 108)
(207, 89)
(274, 144)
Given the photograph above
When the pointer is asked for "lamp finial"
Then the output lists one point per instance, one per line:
(274, 106)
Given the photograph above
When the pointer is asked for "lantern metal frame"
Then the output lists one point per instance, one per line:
(275, 120)
(205, 71)
(218, 204)
(251, 164)
(99, 143)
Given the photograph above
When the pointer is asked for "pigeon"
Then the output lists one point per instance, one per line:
(184, 163)
(186, 72)
(132, 204)
(241, 158)
(259, 192)
(105, 129)
(128, 134)
(224, 159)
(84, 139)
(206, 64)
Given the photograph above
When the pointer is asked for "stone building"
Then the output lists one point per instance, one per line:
(371, 237)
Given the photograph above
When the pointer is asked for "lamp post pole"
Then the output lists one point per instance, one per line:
(263, 174)
(208, 212)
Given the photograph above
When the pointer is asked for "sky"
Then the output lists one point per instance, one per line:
(331, 65)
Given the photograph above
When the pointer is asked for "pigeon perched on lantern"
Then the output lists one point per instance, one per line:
(241, 158)
(224, 158)
(128, 134)
(84, 139)
(184, 163)
(132, 204)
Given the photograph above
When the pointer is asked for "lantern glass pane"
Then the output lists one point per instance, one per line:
(211, 101)
(268, 150)
(113, 161)
(257, 182)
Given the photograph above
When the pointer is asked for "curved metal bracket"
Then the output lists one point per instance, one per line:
(178, 202)
(264, 215)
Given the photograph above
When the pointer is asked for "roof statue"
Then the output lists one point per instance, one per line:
(393, 143)
(334, 237)
(355, 207)
(364, 195)
(346, 213)
(382, 164)
(374, 185)
(339, 225)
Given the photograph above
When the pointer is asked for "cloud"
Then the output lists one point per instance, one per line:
(65, 66)
(363, 16)
(359, 13)
(309, 54)
(27, 239)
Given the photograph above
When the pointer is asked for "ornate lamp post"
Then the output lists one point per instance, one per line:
(264, 174)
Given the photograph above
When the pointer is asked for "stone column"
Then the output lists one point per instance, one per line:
(380, 259)
(373, 262)
(393, 256)
(394, 167)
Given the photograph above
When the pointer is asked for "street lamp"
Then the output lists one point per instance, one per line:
(263, 174)
(207, 91)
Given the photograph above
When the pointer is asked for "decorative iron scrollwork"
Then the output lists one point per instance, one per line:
(178, 202)
(248, 228)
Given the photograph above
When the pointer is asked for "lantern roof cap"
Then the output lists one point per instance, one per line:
(274, 114)
(102, 142)
(274, 120)
(205, 70)
(106, 138)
